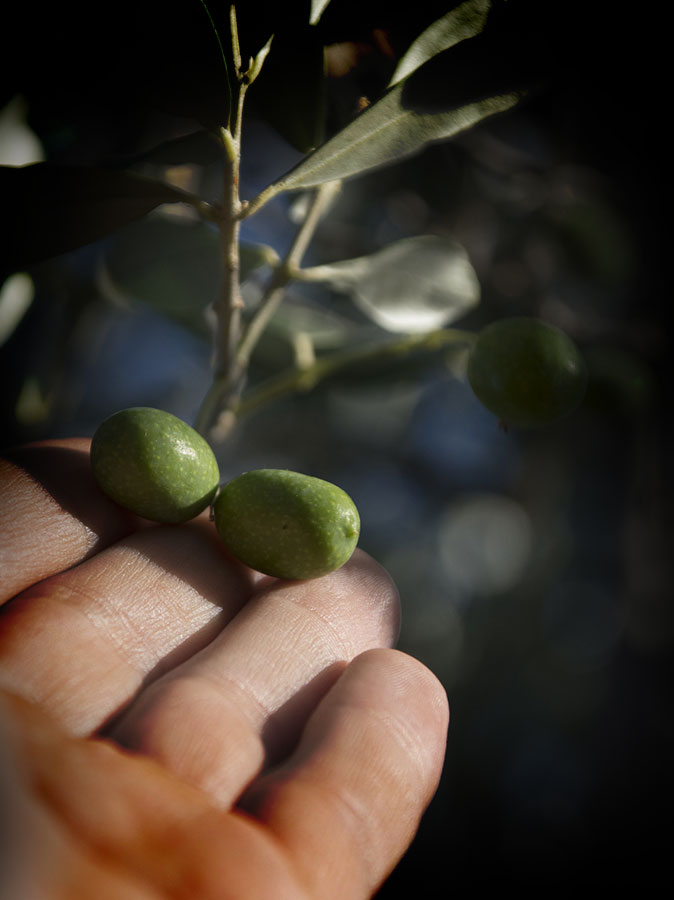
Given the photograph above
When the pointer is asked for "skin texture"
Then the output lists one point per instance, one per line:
(287, 524)
(174, 725)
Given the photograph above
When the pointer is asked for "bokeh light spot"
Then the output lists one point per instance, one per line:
(485, 543)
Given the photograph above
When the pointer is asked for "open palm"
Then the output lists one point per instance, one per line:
(172, 724)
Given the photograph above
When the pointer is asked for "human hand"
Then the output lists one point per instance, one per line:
(175, 725)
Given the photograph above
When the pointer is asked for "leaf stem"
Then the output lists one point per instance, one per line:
(229, 307)
(218, 412)
(286, 272)
(236, 50)
(252, 206)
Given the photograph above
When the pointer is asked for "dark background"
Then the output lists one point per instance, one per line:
(554, 638)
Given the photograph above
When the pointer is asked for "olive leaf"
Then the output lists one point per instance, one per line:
(16, 296)
(317, 9)
(461, 23)
(301, 319)
(258, 61)
(326, 328)
(173, 266)
(411, 286)
(446, 95)
(54, 208)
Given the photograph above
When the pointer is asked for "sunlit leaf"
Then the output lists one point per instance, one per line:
(461, 23)
(412, 286)
(317, 7)
(16, 296)
(258, 62)
(446, 95)
(52, 209)
(19, 144)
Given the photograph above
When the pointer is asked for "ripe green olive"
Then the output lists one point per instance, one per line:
(153, 464)
(287, 524)
(526, 372)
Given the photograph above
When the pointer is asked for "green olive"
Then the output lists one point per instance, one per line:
(526, 372)
(153, 464)
(287, 524)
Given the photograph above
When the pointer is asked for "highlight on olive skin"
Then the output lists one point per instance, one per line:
(287, 524)
(528, 373)
(154, 464)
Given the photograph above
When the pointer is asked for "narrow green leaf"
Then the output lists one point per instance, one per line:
(461, 23)
(258, 62)
(446, 95)
(386, 133)
(54, 209)
(234, 29)
(412, 286)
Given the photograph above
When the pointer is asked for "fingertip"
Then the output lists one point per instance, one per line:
(376, 587)
(401, 682)
(362, 565)
(365, 770)
(360, 600)
(413, 671)
(409, 684)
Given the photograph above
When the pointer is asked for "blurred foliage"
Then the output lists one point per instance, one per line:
(414, 285)
(54, 209)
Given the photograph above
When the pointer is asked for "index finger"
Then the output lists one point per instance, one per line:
(52, 513)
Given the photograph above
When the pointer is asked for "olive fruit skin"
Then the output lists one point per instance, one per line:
(154, 464)
(526, 372)
(287, 524)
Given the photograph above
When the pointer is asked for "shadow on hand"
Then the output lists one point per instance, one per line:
(63, 471)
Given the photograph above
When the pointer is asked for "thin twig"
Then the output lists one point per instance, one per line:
(229, 307)
(218, 411)
(285, 273)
